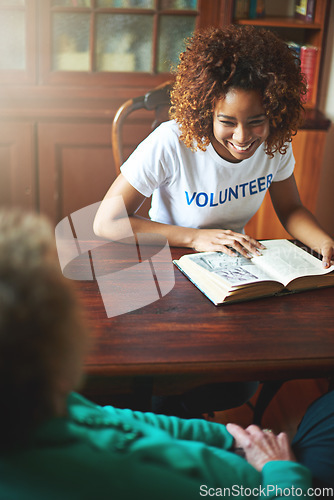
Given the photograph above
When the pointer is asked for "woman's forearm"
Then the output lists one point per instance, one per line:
(117, 229)
(202, 240)
(302, 225)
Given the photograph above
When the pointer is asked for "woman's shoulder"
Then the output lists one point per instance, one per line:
(165, 135)
(170, 125)
(164, 142)
(169, 129)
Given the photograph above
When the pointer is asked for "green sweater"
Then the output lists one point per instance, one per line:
(108, 453)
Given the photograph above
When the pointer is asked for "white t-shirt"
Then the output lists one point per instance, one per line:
(200, 189)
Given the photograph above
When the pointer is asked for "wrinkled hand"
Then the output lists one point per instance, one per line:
(213, 240)
(261, 446)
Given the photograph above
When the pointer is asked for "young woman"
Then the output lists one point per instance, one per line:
(236, 104)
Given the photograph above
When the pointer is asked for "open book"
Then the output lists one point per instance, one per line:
(283, 267)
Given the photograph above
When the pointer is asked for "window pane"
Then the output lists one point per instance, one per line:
(12, 3)
(71, 3)
(173, 31)
(12, 40)
(179, 4)
(71, 42)
(124, 42)
(139, 4)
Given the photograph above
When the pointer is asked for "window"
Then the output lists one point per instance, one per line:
(17, 41)
(119, 35)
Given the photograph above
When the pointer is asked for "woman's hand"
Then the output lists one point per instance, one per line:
(261, 446)
(327, 252)
(226, 241)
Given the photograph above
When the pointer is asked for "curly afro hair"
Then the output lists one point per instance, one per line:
(217, 60)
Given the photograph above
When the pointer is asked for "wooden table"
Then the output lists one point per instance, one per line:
(183, 340)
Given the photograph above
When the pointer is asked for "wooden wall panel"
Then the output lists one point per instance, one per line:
(17, 164)
(75, 166)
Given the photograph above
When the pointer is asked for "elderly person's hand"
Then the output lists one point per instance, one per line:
(261, 446)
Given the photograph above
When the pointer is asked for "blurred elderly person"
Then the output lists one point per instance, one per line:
(55, 444)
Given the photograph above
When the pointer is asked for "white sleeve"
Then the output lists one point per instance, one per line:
(150, 165)
(286, 165)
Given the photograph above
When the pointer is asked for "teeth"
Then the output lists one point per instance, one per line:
(244, 148)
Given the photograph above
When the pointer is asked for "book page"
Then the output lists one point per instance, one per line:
(234, 271)
(285, 262)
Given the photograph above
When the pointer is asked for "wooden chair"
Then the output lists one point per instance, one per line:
(157, 100)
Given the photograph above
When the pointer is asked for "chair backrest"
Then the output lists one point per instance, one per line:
(157, 100)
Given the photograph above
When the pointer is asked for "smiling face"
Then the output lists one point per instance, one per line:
(240, 125)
